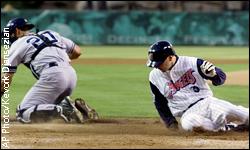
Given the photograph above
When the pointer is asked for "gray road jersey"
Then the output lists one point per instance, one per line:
(22, 50)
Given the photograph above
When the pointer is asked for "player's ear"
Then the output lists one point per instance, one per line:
(17, 32)
(12, 35)
(20, 33)
(170, 57)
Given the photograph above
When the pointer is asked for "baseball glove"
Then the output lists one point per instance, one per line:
(87, 112)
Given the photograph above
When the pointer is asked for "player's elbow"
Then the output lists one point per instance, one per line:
(77, 55)
(76, 52)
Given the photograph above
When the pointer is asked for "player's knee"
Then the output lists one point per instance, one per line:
(41, 113)
(190, 122)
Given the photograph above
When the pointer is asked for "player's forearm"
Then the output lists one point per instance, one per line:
(161, 104)
(73, 56)
(75, 53)
(165, 114)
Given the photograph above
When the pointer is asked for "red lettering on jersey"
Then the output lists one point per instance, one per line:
(186, 79)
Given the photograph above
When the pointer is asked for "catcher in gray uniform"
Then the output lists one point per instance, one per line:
(47, 54)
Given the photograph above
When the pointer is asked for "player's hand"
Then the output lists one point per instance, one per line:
(173, 125)
(208, 69)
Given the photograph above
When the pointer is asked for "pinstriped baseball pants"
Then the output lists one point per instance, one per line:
(213, 114)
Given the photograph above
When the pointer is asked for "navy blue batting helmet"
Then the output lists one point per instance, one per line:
(158, 52)
(19, 23)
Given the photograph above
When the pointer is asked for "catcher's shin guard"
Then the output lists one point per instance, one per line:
(41, 113)
(87, 112)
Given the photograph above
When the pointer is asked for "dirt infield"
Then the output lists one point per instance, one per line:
(119, 133)
(238, 78)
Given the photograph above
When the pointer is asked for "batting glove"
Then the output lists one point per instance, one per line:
(208, 69)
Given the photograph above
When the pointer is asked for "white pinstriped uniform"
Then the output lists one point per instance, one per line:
(183, 85)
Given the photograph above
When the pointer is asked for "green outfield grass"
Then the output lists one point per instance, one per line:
(233, 67)
(209, 52)
(123, 90)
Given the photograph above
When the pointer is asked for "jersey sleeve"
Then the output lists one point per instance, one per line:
(69, 45)
(161, 105)
(219, 79)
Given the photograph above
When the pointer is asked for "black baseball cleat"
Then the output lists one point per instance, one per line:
(241, 128)
(237, 128)
(87, 112)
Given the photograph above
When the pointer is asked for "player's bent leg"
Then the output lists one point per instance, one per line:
(194, 122)
(52, 84)
(231, 112)
(41, 113)
(246, 112)
(45, 92)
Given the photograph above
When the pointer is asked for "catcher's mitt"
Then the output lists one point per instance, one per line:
(87, 112)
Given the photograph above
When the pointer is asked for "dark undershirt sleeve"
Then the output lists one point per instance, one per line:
(161, 105)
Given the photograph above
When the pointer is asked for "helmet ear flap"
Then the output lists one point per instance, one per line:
(13, 37)
(158, 52)
(19, 23)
